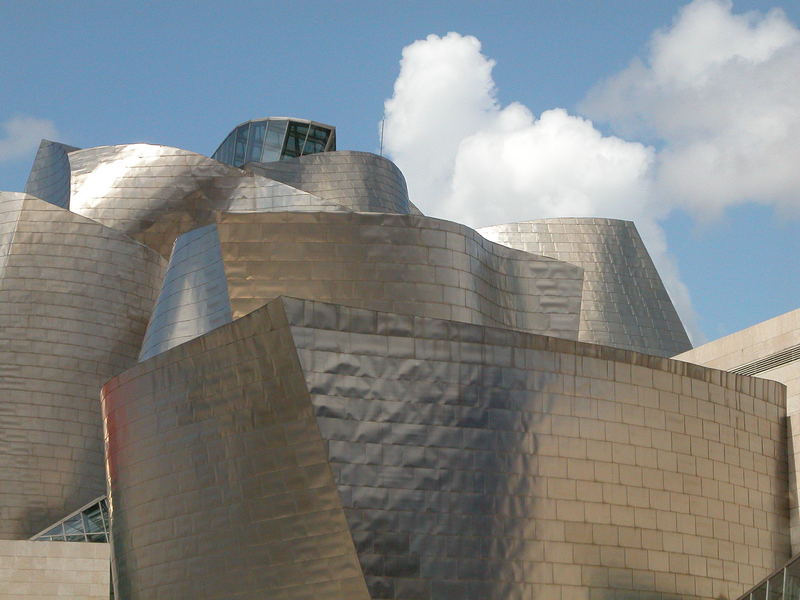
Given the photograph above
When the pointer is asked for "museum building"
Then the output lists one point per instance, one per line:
(266, 374)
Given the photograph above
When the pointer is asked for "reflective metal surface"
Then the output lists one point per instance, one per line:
(194, 296)
(358, 180)
(416, 438)
(624, 302)
(469, 462)
(219, 478)
(155, 193)
(49, 178)
(402, 263)
(74, 302)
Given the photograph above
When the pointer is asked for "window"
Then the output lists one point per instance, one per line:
(87, 524)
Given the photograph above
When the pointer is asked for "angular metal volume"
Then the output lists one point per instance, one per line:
(402, 263)
(220, 481)
(625, 303)
(49, 178)
(469, 462)
(74, 302)
(359, 180)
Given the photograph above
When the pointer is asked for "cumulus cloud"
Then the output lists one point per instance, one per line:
(21, 135)
(468, 159)
(459, 147)
(444, 93)
(717, 92)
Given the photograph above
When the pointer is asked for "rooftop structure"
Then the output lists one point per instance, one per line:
(274, 138)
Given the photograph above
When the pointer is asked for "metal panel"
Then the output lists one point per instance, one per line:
(403, 263)
(477, 463)
(50, 175)
(74, 302)
(194, 296)
(359, 180)
(155, 193)
(624, 302)
(219, 482)
(414, 265)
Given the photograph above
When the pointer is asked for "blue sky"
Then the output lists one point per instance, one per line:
(184, 73)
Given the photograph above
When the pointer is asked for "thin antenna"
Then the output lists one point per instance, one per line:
(382, 122)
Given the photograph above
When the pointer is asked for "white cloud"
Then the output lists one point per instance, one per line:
(470, 160)
(718, 93)
(556, 165)
(21, 135)
(443, 94)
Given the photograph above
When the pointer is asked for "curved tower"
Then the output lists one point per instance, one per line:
(625, 303)
(75, 297)
(317, 450)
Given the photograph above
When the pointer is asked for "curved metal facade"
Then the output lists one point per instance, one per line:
(402, 263)
(194, 296)
(49, 178)
(624, 301)
(155, 193)
(74, 302)
(440, 432)
(358, 180)
(467, 462)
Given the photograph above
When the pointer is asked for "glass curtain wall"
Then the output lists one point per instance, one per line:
(269, 140)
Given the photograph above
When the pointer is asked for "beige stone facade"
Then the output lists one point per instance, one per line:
(53, 570)
(771, 350)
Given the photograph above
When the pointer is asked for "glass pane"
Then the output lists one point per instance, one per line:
(776, 587)
(241, 145)
(760, 593)
(318, 133)
(57, 531)
(74, 526)
(91, 524)
(313, 146)
(256, 141)
(104, 509)
(276, 133)
(270, 155)
(225, 151)
(792, 591)
(295, 138)
(93, 519)
(227, 148)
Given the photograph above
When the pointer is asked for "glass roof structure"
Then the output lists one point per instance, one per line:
(274, 138)
(87, 524)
